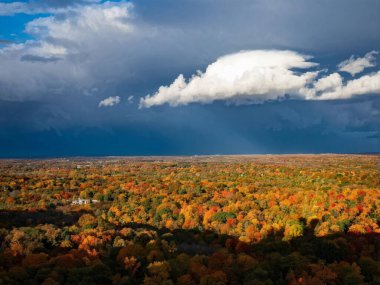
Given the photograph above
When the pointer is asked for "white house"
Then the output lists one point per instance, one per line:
(81, 201)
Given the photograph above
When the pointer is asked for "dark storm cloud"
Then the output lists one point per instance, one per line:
(277, 127)
(5, 42)
(305, 25)
(36, 58)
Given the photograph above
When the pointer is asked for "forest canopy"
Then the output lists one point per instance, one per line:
(302, 219)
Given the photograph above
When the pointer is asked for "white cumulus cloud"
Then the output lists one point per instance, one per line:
(257, 75)
(329, 82)
(261, 75)
(110, 101)
(354, 65)
(365, 84)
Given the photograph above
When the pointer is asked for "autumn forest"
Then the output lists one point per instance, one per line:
(254, 220)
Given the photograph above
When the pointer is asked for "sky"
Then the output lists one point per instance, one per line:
(199, 77)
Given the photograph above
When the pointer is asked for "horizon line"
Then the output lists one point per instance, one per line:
(47, 157)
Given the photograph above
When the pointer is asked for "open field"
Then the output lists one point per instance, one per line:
(271, 219)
